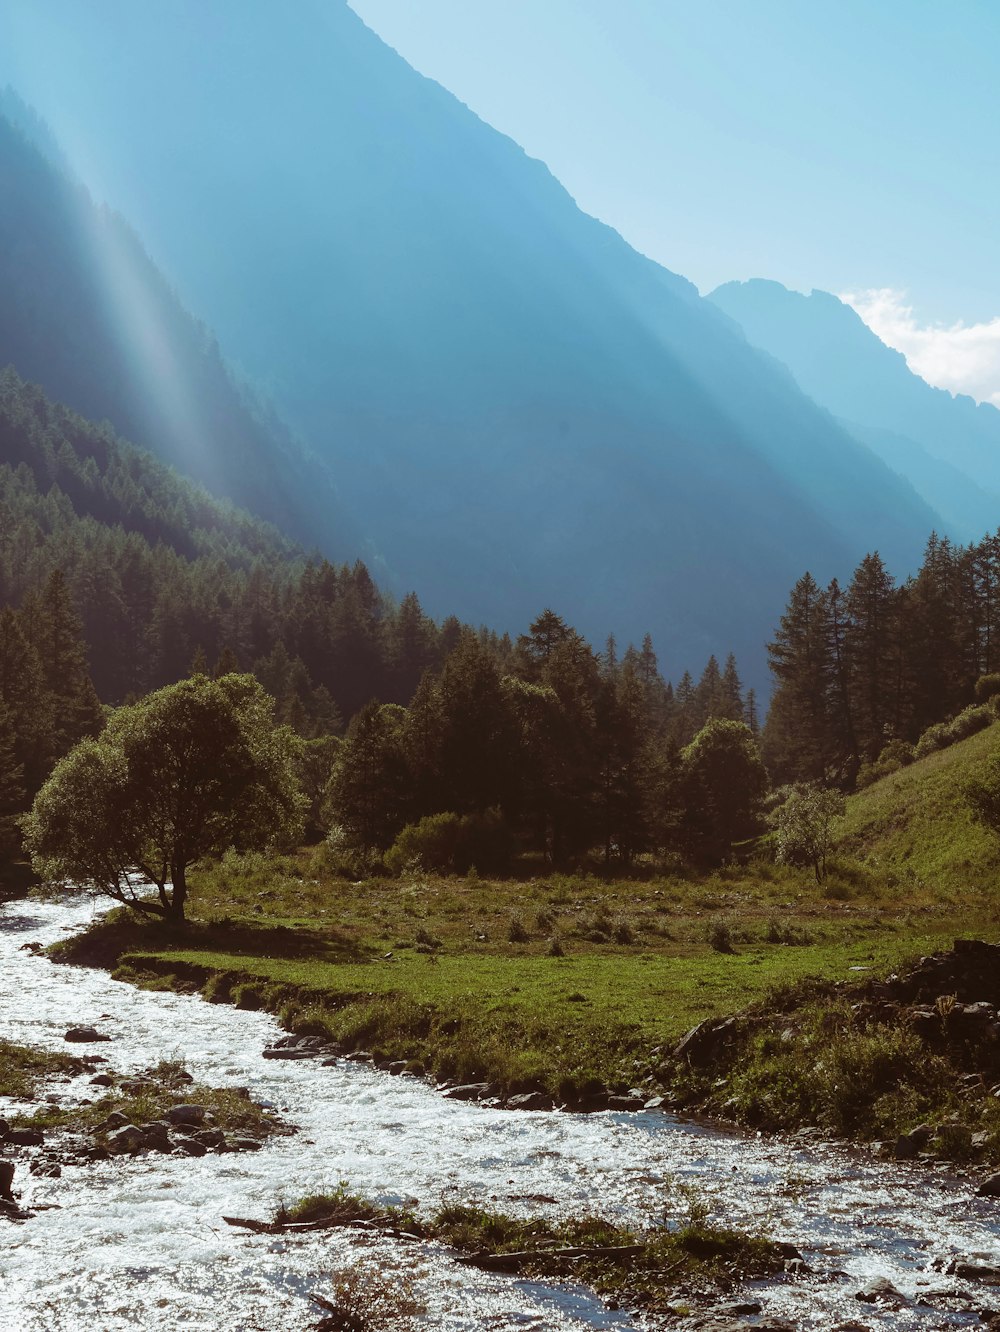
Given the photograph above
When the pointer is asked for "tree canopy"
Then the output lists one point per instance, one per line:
(190, 770)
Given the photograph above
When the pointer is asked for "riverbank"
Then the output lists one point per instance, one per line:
(578, 992)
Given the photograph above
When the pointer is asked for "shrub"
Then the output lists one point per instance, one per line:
(987, 687)
(516, 932)
(966, 723)
(431, 843)
(720, 937)
(447, 843)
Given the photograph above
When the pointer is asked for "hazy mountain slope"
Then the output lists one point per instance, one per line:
(520, 409)
(87, 315)
(841, 363)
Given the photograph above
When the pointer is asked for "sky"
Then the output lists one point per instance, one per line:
(851, 146)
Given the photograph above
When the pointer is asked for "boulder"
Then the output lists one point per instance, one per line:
(214, 1139)
(529, 1101)
(990, 1188)
(628, 1102)
(85, 1035)
(245, 1144)
(656, 1103)
(469, 1091)
(126, 1139)
(909, 1145)
(102, 1080)
(702, 1042)
(4, 1129)
(6, 1179)
(186, 1114)
(288, 1052)
(881, 1291)
(26, 1137)
(190, 1146)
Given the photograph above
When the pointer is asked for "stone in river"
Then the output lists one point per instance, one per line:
(83, 1035)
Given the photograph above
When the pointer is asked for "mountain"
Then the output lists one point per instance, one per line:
(948, 447)
(519, 408)
(87, 314)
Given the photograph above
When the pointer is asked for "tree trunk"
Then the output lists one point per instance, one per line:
(178, 877)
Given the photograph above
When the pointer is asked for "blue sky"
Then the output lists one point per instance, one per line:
(851, 146)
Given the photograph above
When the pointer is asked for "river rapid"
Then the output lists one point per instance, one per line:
(140, 1243)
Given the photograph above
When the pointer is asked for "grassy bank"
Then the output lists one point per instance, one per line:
(916, 828)
(561, 984)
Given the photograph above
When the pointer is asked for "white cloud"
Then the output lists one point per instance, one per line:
(964, 358)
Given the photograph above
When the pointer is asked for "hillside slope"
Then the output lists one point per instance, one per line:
(949, 447)
(520, 409)
(86, 314)
(915, 823)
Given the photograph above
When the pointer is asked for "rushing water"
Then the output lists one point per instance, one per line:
(140, 1244)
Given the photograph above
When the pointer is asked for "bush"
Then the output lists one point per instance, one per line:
(966, 723)
(451, 844)
(987, 687)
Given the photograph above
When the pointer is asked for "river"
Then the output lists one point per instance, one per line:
(140, 1243)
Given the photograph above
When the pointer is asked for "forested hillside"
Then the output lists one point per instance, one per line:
(160, 572)
(86, 314)
(865, 671)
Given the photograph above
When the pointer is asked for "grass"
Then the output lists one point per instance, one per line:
(23, 1070)
(914, 827)
(430, 970)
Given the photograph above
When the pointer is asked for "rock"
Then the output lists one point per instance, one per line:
(529, 1101)
(85, 1035)
(157, 1137)
(909, 1145)
(214, 1139)
(625, 1103)
(879, 1291)
(656, 1103)
(186, 1114)
(126, 1139)
(990, 1188)
(245, 1144)
(190, 1146)
(25, 1137)
(967, 1271)
(4, 1129)
(700, 1044)
(469, 1091)
(102, 1080)
(6, 1179)
(114, 1120)
(286, 1052)
(396, 1067)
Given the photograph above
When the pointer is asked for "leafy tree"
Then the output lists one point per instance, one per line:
(192, 769)
(805, 826)
(722, 784)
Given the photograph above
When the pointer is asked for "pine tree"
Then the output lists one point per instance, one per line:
(56, 633)
(873, 647)
(797, 736)
(12, 790)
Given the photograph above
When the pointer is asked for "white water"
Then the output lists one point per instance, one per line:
(140, 1244)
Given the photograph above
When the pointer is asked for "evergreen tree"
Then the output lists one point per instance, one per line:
(12, 790)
